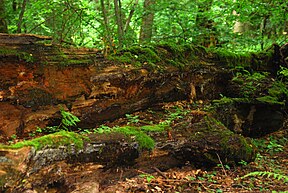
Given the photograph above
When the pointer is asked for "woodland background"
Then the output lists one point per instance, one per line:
(239, 25)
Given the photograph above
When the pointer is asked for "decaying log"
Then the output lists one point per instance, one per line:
(108, 150)
(36, 79)
(251, 118)
(6, 39)
(205, 143)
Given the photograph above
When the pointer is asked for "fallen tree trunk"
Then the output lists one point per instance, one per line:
(37, 80)
(206, 143)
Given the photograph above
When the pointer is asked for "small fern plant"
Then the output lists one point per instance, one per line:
(68, 119)
(267, 174)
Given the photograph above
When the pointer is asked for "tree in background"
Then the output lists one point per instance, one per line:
(122, 23)
(3, 23)
(147, 22)
(205, 25)
(21, 15)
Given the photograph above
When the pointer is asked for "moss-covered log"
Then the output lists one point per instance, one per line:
(23, 159)
(208, 143)
(38, 78)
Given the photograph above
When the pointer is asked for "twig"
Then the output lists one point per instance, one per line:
(159, 172)
(221, 164)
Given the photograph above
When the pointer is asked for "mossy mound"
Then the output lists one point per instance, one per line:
(160, 55)
(213, 143)
(139, 134)
(180, 56)
(52, 140)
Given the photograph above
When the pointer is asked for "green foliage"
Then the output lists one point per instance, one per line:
(267, 174)
(174, 114)
(68, 119)
(51, 140)
(67, 122)
(271, 145)
(132, 119)
(250, 83)
(80, 23)
(148, 177)
(145, 141)
(283, 72)
(102, 129)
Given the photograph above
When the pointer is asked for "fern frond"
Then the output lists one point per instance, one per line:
(276, 176)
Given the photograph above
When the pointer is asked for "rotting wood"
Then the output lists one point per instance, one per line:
(8, 39)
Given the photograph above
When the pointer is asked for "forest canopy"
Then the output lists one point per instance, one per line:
(235, 24)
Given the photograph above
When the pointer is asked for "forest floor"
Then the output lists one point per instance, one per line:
(268, 173)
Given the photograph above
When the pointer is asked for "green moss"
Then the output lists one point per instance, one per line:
(145, 141)
(230, 101)
(277, 94)
(179, 55)
(137, 56)
(7, 52)
(153, 128)
(27, 57)
(231, 59)
(51, 140)
(231, 141)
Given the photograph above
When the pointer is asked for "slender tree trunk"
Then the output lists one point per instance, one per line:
(118, 15)
(3, 23)
(146, 30)
(263, 31)
(130, 15)
(107, 39)
(21, 15)
(205, 25)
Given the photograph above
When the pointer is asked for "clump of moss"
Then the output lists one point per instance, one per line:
(231, 141)
(137, 56)
(51, 140)
(179, 55)
(277, 94)
(27, 57)
(229, 101)
(140, 133)
(145, 141)
(231, 59)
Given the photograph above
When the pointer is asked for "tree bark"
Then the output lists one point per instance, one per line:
(21, 15)
(204, 25)
(107, 39)
(146, 31)
(119, 21)
(130, 15)
(3, 23)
